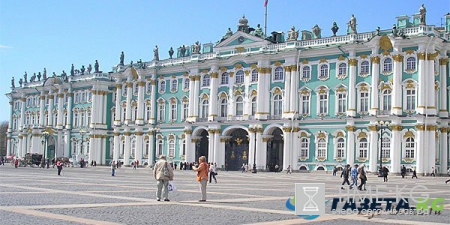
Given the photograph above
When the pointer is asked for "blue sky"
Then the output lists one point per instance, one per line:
(54, 33)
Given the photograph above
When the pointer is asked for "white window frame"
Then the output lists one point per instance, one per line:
(161, 111)
(363, 65)
(387, 67)
(385, 101)
(363, 151)
(239, 77)
(341, 99)
(323, 71)
(320, 148)
(340, 147)
(171, 150)
(255, 76)
(277, 106)
(185, 113)
(223, 111)
(306, 111)
(239, 109)
(173, 111)
(206, 80)
(204, 108)
(173, 85)
(410, 67)
(278, 74)
(162, 86)
(407, 148)
(254, 105)
(224, 80)
(386, 146)
(304, 147)
(186, 83)
(306, 73)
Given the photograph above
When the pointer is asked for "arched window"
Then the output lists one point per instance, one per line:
(239, 106)
(342, 69)
(410, 99)
(160, 147)
(239, 77)
(206, 79)
(340, 148)
(133, 147)
(386, 97)
(173, 111)
(306, 74)
(124, 90)
(147, 148)
(387, 65)
(171, 148)
(254, 106)
(305, 100)
(161, 111)
(186, 84)
(386, 148)
(205, 108)
(411, 64)
(254, 75)
(364, 101)
(409, 148)
(323, 71)
(184, 148)
(342, 102)
(223, 108)
(185, 109)
(147, 111)
(174, 85)
(304, 148)
(323, 103)
(363, 148)
(162, 86)
(321, 148)
(277, 105)
(133, 113)
(124, 112)
(279, 74)
(148, 87)
(224, 79)
(364, 67)
(135, 88)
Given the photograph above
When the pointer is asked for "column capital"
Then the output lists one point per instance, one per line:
(443, 61)
(350, 128)
(353, 62)
(375, 59)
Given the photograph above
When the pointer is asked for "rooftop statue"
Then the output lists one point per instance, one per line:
(317, 31)
(183, 51)
(39, 76)
(334, 28)
(228, 34)
(82, 70)
(352, 25)
(171, 52)
(44, 76)
(89, 69)
(156, 53)
(12, 83)
(33, 78)
(20, 82)
(122, 58)
(64, 76)
(54, 74)
(259, 32)
(377, 31)
(196, 48)
(423, 13)
(131, 63)
(72, 70)
(292, 34)
(96, 67)
(394, 30)
(25, 77)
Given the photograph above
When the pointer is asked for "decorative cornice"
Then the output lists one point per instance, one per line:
(138, 133)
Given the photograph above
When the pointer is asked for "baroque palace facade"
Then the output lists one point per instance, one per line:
(312, 103)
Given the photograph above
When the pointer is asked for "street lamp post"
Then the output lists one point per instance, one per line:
(382, 124)
(82, 133)
(254, 152)
(45, 135)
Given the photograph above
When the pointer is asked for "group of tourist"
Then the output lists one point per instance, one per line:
(355, 173)
(163, 174)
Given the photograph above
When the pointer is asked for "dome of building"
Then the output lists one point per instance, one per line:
(243, 21)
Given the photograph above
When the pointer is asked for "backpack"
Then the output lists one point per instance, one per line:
(166, 171)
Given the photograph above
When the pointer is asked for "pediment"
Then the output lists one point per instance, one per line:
(241, 38)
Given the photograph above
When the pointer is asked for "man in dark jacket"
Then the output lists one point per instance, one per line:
(403, 171)
(345, 174)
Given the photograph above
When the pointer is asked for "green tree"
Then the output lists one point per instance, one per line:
(3, 132)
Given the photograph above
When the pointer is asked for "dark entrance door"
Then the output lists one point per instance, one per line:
(202, 146)
(275, 151)
(236, 150)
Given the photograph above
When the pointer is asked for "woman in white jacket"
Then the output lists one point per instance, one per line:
(212, 173)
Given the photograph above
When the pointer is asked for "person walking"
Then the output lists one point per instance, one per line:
(16, 163)
(334, 171)
(403, 171)
(345, 175)
(276, 168)
(212, 173)
(162, 173)
(354, 175)
(385, 172)
(289, 170)
(202, 176)
(59, 167)
(113, 168)
(243, 168)
(448, 172)
(414, 173)
(433, 172)
(363, 177)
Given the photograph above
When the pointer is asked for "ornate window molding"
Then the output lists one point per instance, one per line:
(321, 140)
(306, 73)
(340, 144)
(364, 68)
(323, 72)
(341, 70)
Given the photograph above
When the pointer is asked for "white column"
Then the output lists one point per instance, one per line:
(196, 96)
(23, 151)
(67, 143)
(261, 152)
(420, 148)
(396, 146)
(153, 102)
(221, 154)
(8, 145)
(116, 151)
(351, 111)
(214, 88)
(397, 86)
(118, 111)
(251, 147)
(41, 109)
(59, 122)
(443, 148)
(129, 98)
(422, 82)
(287, 92)
(19, 146)
(11, 112)
(190, 149)
(51, 98)
(216, 146)
(373, 148)
(295, 147)
(350, 144)
(126, 151)
(151, 151)
(443, 110)
(69, 109)
(231, 105)
(294, 89)
(375, 91)
(139, 144)
(140, 104)
(430, 89)
(22, 113)
(431, 147)
(287, 136)
(210, 145)
(191, 112)
(96, 107)
(263, 95)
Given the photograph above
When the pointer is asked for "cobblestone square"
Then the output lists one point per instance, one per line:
(92, 196)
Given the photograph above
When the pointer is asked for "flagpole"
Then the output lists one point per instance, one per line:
(265, 20)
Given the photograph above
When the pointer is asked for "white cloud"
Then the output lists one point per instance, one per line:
(4, 46)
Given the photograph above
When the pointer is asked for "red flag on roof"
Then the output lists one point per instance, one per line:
(266, 2)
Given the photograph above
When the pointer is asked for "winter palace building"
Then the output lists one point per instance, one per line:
(296, 98)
